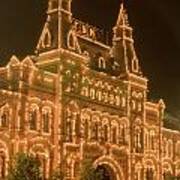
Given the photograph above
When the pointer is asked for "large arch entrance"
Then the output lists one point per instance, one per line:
(106, 172)
(109, 168)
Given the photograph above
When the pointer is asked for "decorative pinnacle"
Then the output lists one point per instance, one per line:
(122, 17)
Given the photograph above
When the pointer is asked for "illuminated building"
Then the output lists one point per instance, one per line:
(79, 98)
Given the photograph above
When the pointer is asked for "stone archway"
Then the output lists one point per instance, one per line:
(110, 168)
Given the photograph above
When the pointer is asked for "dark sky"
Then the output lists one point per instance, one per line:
(156, 26)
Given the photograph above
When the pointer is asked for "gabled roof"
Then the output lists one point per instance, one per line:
(13, 61)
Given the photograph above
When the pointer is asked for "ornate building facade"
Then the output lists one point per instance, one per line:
(79, 98)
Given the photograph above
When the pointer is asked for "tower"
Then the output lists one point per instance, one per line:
(54, 34)
(123, 45)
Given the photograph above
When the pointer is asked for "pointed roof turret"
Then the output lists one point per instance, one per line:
(14, 61)
(27, 61)
(123, 45)
(57, 25)
(122, 24)
(122, 17)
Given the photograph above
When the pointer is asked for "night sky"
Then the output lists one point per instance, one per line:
(156, 26)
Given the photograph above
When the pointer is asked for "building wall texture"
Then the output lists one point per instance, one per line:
(79, 98)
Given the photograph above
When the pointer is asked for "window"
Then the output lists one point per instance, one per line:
(152, 140)
(5, 119)
(99, 95)
(123, 133)
(138, 171)
(85, 119)
(85, 91)
(42, 160)
(94, 134)
(92, 34)
(138, 139)
(123, 102)
(54, 5)
(114, 135)
(86, 129)
(4, 116)
(72, 121)
(92, 93)
(2, 166)
(105, 128)
(102, 63)
(117, 100)
(71, 41)
(46, 121)
(135, 65)
(170, 149)
(149, 174)
(167, 175)
(76, 169)
(33, 119)
(69, 130)
(47, 40)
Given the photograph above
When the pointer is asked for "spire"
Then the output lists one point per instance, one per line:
(57, 25)
(122, 17)
(123, 44)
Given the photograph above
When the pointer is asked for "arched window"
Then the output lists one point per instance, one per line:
(101, 63)
(4, 116)
(76, 168)
(114, 132)
(138, 171)
(85, 120)
(2, 166)
(47, 39)
(149, 174)
(69, 126)
(152, 140)
(164, 147)
(71, 40)
(167, 171)
(86, 129)
(33, 117)
(105, 96)
(138, 139)
(135, 65)
(114, 135)
(41, 158)
(133, 105)
(117, 100)
(99, 95)
(5, 119)
(146, 140)
(92, 93)
(85, 91)
(178, 148)
(72, 121)
(123, 101)
(167, 175)
(170, 148)
(95, 129)
(92, 33)
(123, 133)
(105, 132)
(46, 118)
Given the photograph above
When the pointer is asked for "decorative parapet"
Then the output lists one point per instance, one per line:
(85, 30)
